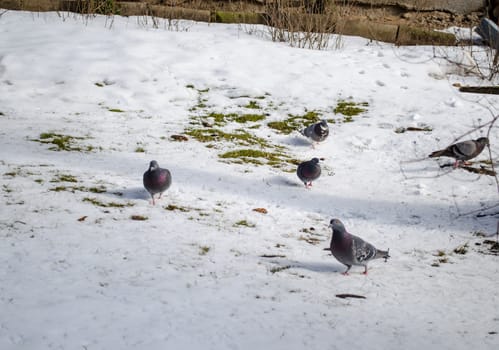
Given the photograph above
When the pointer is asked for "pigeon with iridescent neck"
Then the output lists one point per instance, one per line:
(351, 250)
(309, 171)
(156, 180)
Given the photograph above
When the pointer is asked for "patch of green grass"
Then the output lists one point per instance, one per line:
(173, 207)
(239, 137)
(350, 108)
(245, 118)
(64, 178)
(116, 110)
(62, 142)
(244, 223)
(203, 250)
(221, 119)
(441, 253)
(73, 189)
(39, 181)
(189, 86)
(12, 173)
(256, 126)
(139, 217)
(140, 149)
(258, 157)
(99, 84)
(59, 189)
(100, 189)
(252, 105)
(294, 122)
(98, 203)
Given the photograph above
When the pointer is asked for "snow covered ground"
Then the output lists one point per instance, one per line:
(202, 269)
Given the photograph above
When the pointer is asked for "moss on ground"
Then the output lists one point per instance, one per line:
(350, 109)
(61, 142)
(259, 157)
(294, 122)
(239, 137)
(98, 203)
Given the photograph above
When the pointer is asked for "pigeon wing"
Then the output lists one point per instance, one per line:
(308, 131)
(465, 149)
(362, 251)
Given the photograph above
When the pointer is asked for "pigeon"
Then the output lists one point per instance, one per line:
(462, 151)
(352, 250)
(317, 132)
(309, 171)
(156, 180)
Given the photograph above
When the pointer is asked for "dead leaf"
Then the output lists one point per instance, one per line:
(179, 138)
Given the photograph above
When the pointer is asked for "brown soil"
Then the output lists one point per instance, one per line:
(388, 14)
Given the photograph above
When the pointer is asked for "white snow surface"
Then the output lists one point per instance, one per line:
(196, 279)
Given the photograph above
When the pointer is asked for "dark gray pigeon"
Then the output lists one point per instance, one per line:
(156, 180)
(309, 171)
(462, 151)
(317, 132)
(352, 250)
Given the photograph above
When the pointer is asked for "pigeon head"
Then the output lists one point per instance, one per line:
(315, 160)
(323, 125)
(483, 141)
(337, 225)
(153, 165)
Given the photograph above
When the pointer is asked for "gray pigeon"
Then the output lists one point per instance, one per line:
(156, 180)
(352, 250)
(317, 132)
(462, 151)
(309, 171)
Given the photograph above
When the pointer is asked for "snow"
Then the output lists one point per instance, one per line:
(75, 275)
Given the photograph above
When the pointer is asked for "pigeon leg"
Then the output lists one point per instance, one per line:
(346, 272)
(365, 270)
(153, 202)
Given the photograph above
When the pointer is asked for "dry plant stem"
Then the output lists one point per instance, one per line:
(298, 28)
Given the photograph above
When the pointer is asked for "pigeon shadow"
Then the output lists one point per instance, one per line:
(280, 189)
(319, 267)
(131, 193)
(283, 181)
(299, 141)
